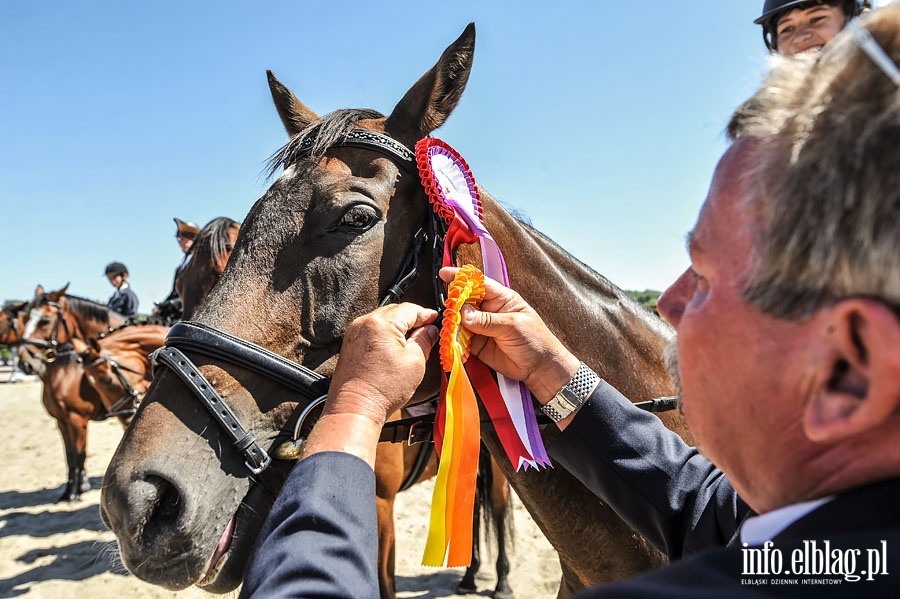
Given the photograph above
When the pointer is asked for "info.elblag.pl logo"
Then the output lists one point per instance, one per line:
(817, 560)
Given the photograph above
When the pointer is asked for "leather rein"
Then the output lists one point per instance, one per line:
(128, 404)
(52, 348)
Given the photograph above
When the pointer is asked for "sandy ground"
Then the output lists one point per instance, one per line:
(57, 550)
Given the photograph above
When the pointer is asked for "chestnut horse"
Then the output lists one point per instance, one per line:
(335, 235)
(118, 366)
(206, 263)
(52, 320)
(12, 323)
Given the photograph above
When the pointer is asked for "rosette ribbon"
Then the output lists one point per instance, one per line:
(453, 500)
(453, 194)
(454, 197)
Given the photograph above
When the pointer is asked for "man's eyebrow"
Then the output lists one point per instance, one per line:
(690, 243)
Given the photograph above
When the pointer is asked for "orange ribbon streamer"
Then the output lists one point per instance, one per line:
(453, 500)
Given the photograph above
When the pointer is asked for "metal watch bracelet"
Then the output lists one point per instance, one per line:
(572, 395)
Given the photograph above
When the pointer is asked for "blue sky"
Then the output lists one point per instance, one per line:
(600, 120)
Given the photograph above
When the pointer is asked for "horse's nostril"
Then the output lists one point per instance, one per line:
(164, 510)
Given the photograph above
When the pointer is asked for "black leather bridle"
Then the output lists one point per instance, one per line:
(52, 348)
(128, 404)
(312, 387)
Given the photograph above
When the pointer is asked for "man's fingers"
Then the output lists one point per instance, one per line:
(407, 316)
(425, 337)
(447, 273)
(496, 294)
(483, 323)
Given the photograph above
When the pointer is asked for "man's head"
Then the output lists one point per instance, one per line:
(794, 26)
(116, 272)
(186, 233)
(789, 319)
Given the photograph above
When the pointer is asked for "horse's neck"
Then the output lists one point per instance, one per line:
(596, 320)
(87, 326)
(136, 342)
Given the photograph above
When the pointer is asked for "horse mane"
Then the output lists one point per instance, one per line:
(89, 309)
(324, 133)
(214, 238)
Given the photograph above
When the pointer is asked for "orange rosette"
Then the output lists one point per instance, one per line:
(452, 506)
(466, 288)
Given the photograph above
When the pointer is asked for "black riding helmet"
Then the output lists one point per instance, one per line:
(773, 9)
(115, 268)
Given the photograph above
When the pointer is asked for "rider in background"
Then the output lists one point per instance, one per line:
(169, 309)
(794, 26)
(124, 300)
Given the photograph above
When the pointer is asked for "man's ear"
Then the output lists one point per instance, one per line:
(860, 383)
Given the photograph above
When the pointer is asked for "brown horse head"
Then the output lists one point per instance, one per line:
(118, 366)
(12, 322)
(320, 248)
(206, 263)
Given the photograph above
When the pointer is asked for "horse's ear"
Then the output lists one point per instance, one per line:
(433, 97)
(294, 114)
(38, 290)
(55, 296)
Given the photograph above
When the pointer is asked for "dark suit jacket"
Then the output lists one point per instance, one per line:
(687, 508)
(320, 539)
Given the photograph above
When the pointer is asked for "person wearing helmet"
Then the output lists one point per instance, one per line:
(794, 26)
(124, 300)
(169, 309)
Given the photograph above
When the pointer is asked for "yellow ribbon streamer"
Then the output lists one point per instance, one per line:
(452, 504)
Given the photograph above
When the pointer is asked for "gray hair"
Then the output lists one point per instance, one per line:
(827, 192)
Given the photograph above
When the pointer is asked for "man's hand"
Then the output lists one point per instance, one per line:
(510, 337)
(382, 363)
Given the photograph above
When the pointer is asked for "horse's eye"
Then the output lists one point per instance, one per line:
(359, 217)
(43, 322)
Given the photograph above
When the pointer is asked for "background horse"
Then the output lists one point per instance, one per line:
(208, 257)
(12, 323)
(321, 247)
(118, 366)
(53, 319)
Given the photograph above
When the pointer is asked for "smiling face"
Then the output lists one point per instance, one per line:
(806, 29)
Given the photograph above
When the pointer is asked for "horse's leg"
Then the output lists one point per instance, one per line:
(75, 439)
(500, 500)
(388, 478)
(467, 584)
(56, 408)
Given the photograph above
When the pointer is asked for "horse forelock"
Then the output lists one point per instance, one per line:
(325, 133)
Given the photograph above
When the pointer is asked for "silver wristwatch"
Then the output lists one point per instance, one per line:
(572, 395)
